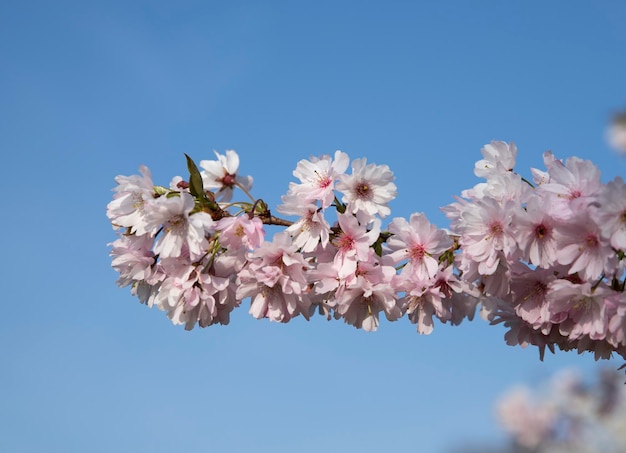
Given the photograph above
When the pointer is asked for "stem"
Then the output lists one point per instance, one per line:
(272, 220)
(246, 192)
(527, 182)
(598, 282)
(266, 216)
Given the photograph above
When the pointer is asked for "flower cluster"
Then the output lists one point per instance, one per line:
(566, 414)
(189, 251)
(546, 258)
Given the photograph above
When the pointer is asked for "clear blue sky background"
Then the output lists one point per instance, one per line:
(90, 90)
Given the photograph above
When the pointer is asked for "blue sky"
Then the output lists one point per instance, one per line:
(91, 90)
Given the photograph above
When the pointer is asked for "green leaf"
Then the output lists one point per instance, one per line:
(195, 180)
(341, 208)
(160, 190)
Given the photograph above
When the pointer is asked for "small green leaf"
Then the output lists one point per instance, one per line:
(160, 190)
(195, 180)
(341, 208)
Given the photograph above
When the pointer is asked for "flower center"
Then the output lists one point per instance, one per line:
(574, 194)
(496, 229)
(541, 231)
(591, 241)
(228, 180)
(583, 303)
(344, 242)
(323, 181)
(537, 292)
(363, 190)
(417, 252)
(176, 223)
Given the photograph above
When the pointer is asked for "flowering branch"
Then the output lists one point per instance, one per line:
(543, 258)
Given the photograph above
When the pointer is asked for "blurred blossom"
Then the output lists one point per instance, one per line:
(566, 414)
(616, 133)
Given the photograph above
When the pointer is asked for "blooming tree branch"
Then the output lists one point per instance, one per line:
(542, 256)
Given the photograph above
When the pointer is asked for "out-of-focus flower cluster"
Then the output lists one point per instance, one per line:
(545, 258)
(566, 415)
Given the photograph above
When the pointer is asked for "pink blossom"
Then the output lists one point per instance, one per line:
(368, 295)
(578, 308)
(368, 189)
(498, 157)
(189, 297)
(581, 245)
(353, 243)
(571, 187)
(221, 174)
(502, 187)
(311, 228)
(275, 281)
(424, 299)
(132, 258)
(317, 179)
(180, 228)
(486, 233)
(127, 209)
(615, 304)
(419, 242)
(530, 289)
(535, 233)
(610, 215)
(241, 231)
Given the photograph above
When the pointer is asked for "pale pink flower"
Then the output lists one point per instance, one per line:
(581, 245)
(179, 228)
(535, 233)
(353, 243)
(370, 293)
(227, 266)
(465, 299)
(221, 175)
(529, 288)
(435, 297)
(311, 228)
(368, 189)
(486, 233)
(317, 179)
(189, 297)
(275, 281)
(579, 308)
(502, 187)
(419, 242)
(324, 280)
(422, 300)
(133, 258)
(131, 195)
(240, 232)
(145, 292)
(325, 285)
(610, 215)
(571, 187)
(616, 311)
(498, 157)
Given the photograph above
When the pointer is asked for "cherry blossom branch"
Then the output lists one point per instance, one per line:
(545, 259)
